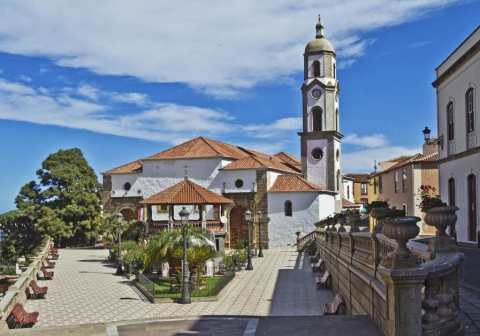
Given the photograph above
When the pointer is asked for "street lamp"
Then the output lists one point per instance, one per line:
(184, 213)
(426, 136)
(248, 217)
(260, 249)
(119, 232)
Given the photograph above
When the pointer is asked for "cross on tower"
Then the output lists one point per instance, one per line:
(186, 171)
(319, 17)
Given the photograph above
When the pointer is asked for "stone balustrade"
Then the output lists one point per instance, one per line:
(17, 292)
(303, 241)
(420, 298)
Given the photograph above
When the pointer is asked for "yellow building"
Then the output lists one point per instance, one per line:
(360, 187)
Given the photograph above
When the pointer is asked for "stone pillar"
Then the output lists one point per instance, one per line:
(203, 216)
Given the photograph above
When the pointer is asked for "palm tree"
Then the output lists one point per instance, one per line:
(168, 244)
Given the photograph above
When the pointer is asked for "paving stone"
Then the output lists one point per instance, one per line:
(85, 290)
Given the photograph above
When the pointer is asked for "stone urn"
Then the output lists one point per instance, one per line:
(441, 218)
(401, 229)
(353, 221)
(341, 222)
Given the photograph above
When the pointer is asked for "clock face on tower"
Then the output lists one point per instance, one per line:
(316, 93)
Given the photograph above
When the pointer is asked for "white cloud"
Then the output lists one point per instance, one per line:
(370, 141)
(91, 109)
(419, 44)
(24, 78)
(219, 47)
(346, 64)
(363, 160)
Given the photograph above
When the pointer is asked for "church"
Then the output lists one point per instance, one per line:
(218, 181)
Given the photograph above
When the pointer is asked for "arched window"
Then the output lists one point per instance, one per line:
(472, 207)
(336, 120)
(288, 208)
(338, 180)
(470, 110)
(317, 119)
(316, 69)
(451, 199)
(348, 191)
(450, 122)
(334, 70)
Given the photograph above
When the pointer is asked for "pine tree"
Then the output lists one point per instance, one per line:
(65, 203)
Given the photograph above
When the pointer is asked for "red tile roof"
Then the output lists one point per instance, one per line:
(347, 204)
(253, 162)
(200, 148)
(295, 183)
(359, 178)
(186, 193)
(417, 158)
(288, 158)
(132, 167)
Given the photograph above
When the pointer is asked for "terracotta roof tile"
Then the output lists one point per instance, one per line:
(414, 159)
(188, 193)
(399, 159)
(132, 167)
(200, 148)
(288, 158)
(346, 203)
(295, 183)
(253, 162)
(359, 178)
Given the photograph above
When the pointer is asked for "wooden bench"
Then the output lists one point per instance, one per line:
(318, 266)
(21, 319)
(38, 292)
(333, 308)
(323, 281)
(315, 257)
(50, 264)
(46, 274)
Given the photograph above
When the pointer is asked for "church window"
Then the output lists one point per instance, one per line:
(127, 186)
(317, 119)
(336, 120)
(338, 155)
(316, 69)
(288, 208)
(338, 179)
(334, 70)
(470, 111)
(317, 153)
(239, 183)
(450, 120)
(348, 191)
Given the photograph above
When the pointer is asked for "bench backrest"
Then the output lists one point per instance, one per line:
(325, 276)
(337, 302)
(18, 311)
(319, 263)
(34, 285)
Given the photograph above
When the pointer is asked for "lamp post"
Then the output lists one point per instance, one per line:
(426, 136)
(248, 217)
(119, 232)
(184, 213)
(260, 249)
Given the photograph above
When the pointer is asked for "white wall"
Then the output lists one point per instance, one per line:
(308, 208)
(459, 170)
(118, 181)
(310, 61)
(272, 176)
(348, 183)
(317, 170)
(229, 177)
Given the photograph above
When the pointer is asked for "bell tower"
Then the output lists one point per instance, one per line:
(321, 138)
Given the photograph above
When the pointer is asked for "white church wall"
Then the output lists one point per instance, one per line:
(312, 102)
(272, 176)
(348, 190)
(327, 205)
(313, 58)
(317, 169)
(119, 181)
(248, 176)
(281, 228)
(338, 166)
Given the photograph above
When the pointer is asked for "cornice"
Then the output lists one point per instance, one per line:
(460, 155)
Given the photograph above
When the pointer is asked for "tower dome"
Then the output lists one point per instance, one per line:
(320, 43)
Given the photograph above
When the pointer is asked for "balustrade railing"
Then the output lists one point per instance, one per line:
(438, 280)
(303, 241)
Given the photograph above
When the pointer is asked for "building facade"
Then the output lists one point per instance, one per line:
(457, 84)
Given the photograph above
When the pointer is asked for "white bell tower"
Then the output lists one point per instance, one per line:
(321, 139)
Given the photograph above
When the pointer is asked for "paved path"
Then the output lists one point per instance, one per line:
(85, 290)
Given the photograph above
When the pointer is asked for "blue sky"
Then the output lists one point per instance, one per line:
(123, 81)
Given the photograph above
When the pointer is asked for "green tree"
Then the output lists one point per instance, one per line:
(65, 203)
(136, 231)
(22, 237)
(168, 244)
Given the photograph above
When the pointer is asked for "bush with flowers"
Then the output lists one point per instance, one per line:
(429, 198)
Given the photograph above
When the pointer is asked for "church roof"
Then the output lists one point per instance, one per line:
(254, 162)
(132, 167)
(295, 183)
(200, 148)
(207, 148)
(319, 45)
(186, 193)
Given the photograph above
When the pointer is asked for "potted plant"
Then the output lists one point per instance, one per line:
(353, 216)
(440, 215)
(298, 233)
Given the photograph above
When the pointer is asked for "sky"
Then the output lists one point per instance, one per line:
(123, 80)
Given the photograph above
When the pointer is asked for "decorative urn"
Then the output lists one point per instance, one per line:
(441, 218)
(341, 221)
(353, 221)
(401, 229)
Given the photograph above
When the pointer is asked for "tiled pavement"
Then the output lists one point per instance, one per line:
(85, 290)
(470, 311)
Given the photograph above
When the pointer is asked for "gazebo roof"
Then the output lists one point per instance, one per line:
(186, 193)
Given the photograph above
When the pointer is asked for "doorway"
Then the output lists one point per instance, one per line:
(238, 225)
